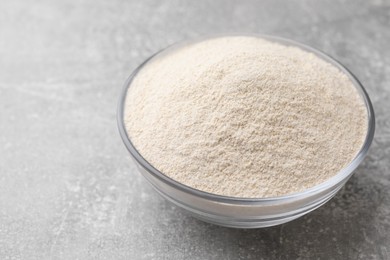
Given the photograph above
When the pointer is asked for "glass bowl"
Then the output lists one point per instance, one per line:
(246, 212)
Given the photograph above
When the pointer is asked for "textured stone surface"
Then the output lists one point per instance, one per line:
(68, 189)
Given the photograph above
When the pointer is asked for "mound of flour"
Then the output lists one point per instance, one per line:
(245, 117)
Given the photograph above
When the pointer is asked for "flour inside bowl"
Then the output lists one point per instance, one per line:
(245, 117)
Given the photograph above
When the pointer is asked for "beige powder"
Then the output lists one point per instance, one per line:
(245, 117)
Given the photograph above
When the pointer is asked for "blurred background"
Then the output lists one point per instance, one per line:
(68, 189)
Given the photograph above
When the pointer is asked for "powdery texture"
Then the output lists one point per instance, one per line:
(245, 117)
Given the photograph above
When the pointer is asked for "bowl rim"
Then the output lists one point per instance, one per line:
(343, 174)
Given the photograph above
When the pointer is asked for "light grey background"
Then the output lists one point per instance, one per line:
(68, 189)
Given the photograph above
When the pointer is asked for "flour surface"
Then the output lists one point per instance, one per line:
(245, 117)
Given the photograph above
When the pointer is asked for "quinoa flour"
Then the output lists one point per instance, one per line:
(245, 117)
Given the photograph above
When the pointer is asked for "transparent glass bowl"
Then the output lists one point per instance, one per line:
(247, 212)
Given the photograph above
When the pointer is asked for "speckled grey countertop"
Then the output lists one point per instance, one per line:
(68, 189)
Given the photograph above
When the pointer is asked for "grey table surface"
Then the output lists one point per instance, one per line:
(68, 189)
